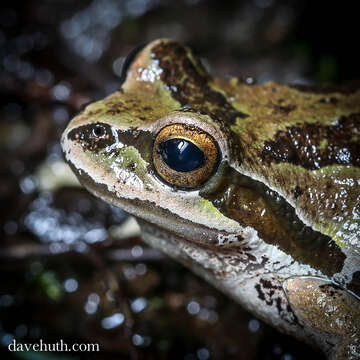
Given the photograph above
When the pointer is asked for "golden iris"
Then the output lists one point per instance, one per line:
(185, 156)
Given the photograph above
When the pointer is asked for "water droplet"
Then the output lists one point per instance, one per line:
(137, 340)
(193, 307)
(203, 354)
(61, 91)
(112, 321)
(254, 325)
(137, 251)
(70, 285)
(6, 300)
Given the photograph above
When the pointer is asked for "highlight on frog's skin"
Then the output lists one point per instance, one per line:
(185, 156)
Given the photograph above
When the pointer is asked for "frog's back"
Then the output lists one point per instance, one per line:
(305, 145)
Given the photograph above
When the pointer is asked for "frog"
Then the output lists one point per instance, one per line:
(254, 187)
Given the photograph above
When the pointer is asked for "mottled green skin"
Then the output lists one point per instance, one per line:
(283, 204)
(274, 108)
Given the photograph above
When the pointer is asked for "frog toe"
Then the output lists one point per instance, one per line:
(331, 314)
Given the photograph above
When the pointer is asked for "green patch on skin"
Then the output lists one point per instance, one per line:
(332, 204)
(132, 109)
(323, 144)
(127, 159)
(332, 230)
(348, 178)
(131, 159)
(273, 107)
(341, 172)
(206, 207)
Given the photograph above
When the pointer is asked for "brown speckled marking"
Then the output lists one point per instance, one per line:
(313, 146)
(284, 109)
(297, 191)
(238, 257)
(329, 100)
(92, 137)
(272, 294)
(188, 83)
(86, 135)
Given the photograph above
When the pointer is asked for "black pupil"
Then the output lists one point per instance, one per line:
(99, 131)
(181, 155)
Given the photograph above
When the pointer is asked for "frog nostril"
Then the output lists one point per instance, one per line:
(99, 131)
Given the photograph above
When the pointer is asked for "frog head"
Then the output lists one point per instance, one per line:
(133, 148)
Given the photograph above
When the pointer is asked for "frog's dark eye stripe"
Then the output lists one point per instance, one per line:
(128, 61)
(185, 156)
(93, 137)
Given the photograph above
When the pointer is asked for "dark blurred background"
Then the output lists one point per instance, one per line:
(74, 268)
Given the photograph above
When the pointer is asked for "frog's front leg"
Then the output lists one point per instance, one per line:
(328, 310)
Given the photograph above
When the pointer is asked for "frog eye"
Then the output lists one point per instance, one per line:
(185, 156)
